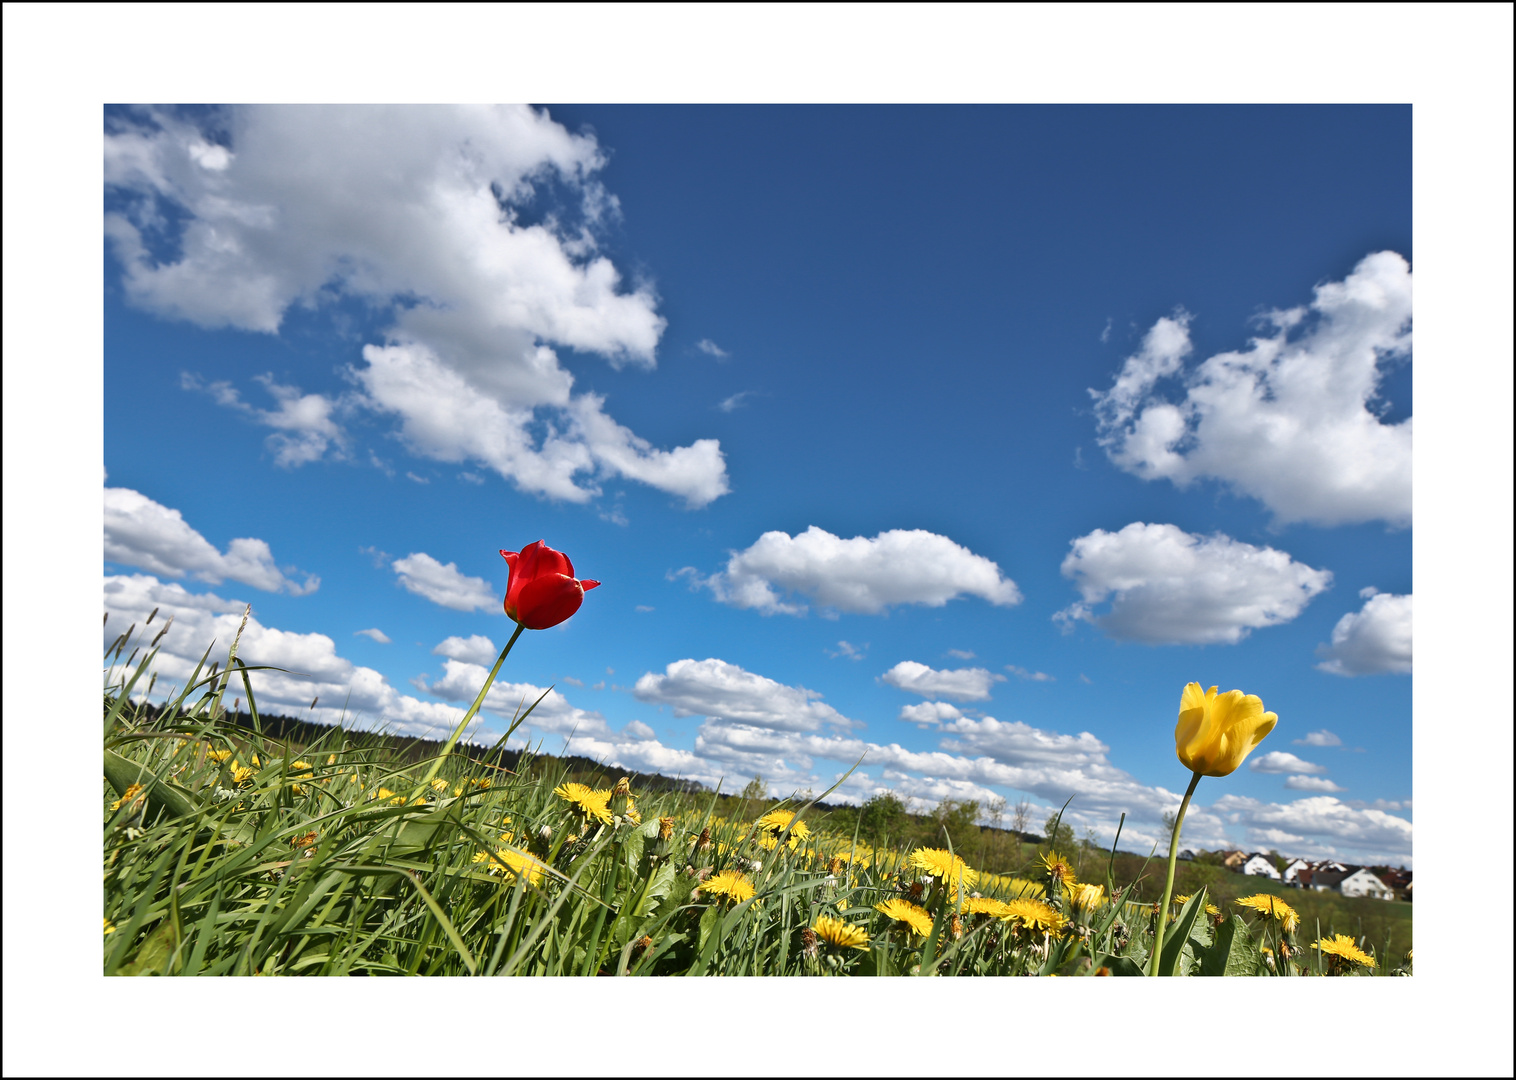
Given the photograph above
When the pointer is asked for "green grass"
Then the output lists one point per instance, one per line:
(228, 852)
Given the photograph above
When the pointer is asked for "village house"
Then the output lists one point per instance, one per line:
(1350, 881)
(1233, 860)
(1292, 871)
(1259, 865)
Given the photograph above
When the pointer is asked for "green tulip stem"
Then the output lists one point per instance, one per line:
(474, 708)
(1168, 881)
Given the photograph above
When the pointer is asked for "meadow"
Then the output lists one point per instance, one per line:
(230, 851)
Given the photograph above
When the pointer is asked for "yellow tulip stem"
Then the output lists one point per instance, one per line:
(1168, 882)
(468, 716)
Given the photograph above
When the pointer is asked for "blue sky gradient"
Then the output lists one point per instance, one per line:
(890, 318)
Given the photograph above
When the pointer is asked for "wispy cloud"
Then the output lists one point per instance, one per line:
(377, 635)
(1029, 676)
(710, 348)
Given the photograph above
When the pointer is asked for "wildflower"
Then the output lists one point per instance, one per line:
(1343, 952)
(110, 927)
(131, 795)
(665, 828)
(916, 919)
(511, 861)
(986, 905)
(1034, 915)
(301, 768)
(242, 775)
(1274, 907)
(304, 840)
(839, 934)
(944, 865)
(439, 784)
(1215, 733)
(542, 591)
(731, 884)
(776, 821)
(1087, 897)
(591, 803)
(218, 756)
(1057, 871)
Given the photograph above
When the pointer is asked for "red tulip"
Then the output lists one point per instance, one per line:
(543, 591)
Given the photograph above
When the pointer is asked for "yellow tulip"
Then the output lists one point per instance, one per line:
(1216, 731)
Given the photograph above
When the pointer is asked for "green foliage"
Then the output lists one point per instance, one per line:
(1059, 835)
(882, 817)
(233, 849)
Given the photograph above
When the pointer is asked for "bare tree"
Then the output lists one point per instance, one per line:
(1022, 812)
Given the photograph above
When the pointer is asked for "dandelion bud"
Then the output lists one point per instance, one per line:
(545, 833)
(621, 797)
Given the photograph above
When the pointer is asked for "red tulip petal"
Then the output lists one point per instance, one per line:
(538, 559)
(587, 584)
(547, 601)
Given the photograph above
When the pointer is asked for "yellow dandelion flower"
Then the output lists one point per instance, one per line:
(840, 934)
(511, 861)
(110, 927)
(1035, 915)
(731, 884)
(301, 768)
(131, 795)
(987, 905)
(1274, 907)
(242, 775)
(916, 919)
(304, 840)
(331, 759)
(590, 803)
(943, 864)
(1181, 900)
(218, 756)
(1057, 870)
(439, 784)
(1343, 950)
(1087, 897)
(776, 821)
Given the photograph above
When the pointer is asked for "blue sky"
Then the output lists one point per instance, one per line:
(964, 437)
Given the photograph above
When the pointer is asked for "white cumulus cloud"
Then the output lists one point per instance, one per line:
(146, 534)
(961, 684)
(1311, 783)
(715, 688)
(1319, 738)
(1167, 586)
(1292, 420)
(474, 649)
(861, 574)
(421, 213)
(1373, 641)
(312, 668)
(445, 585)
(929, 713)
(1282, 761)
